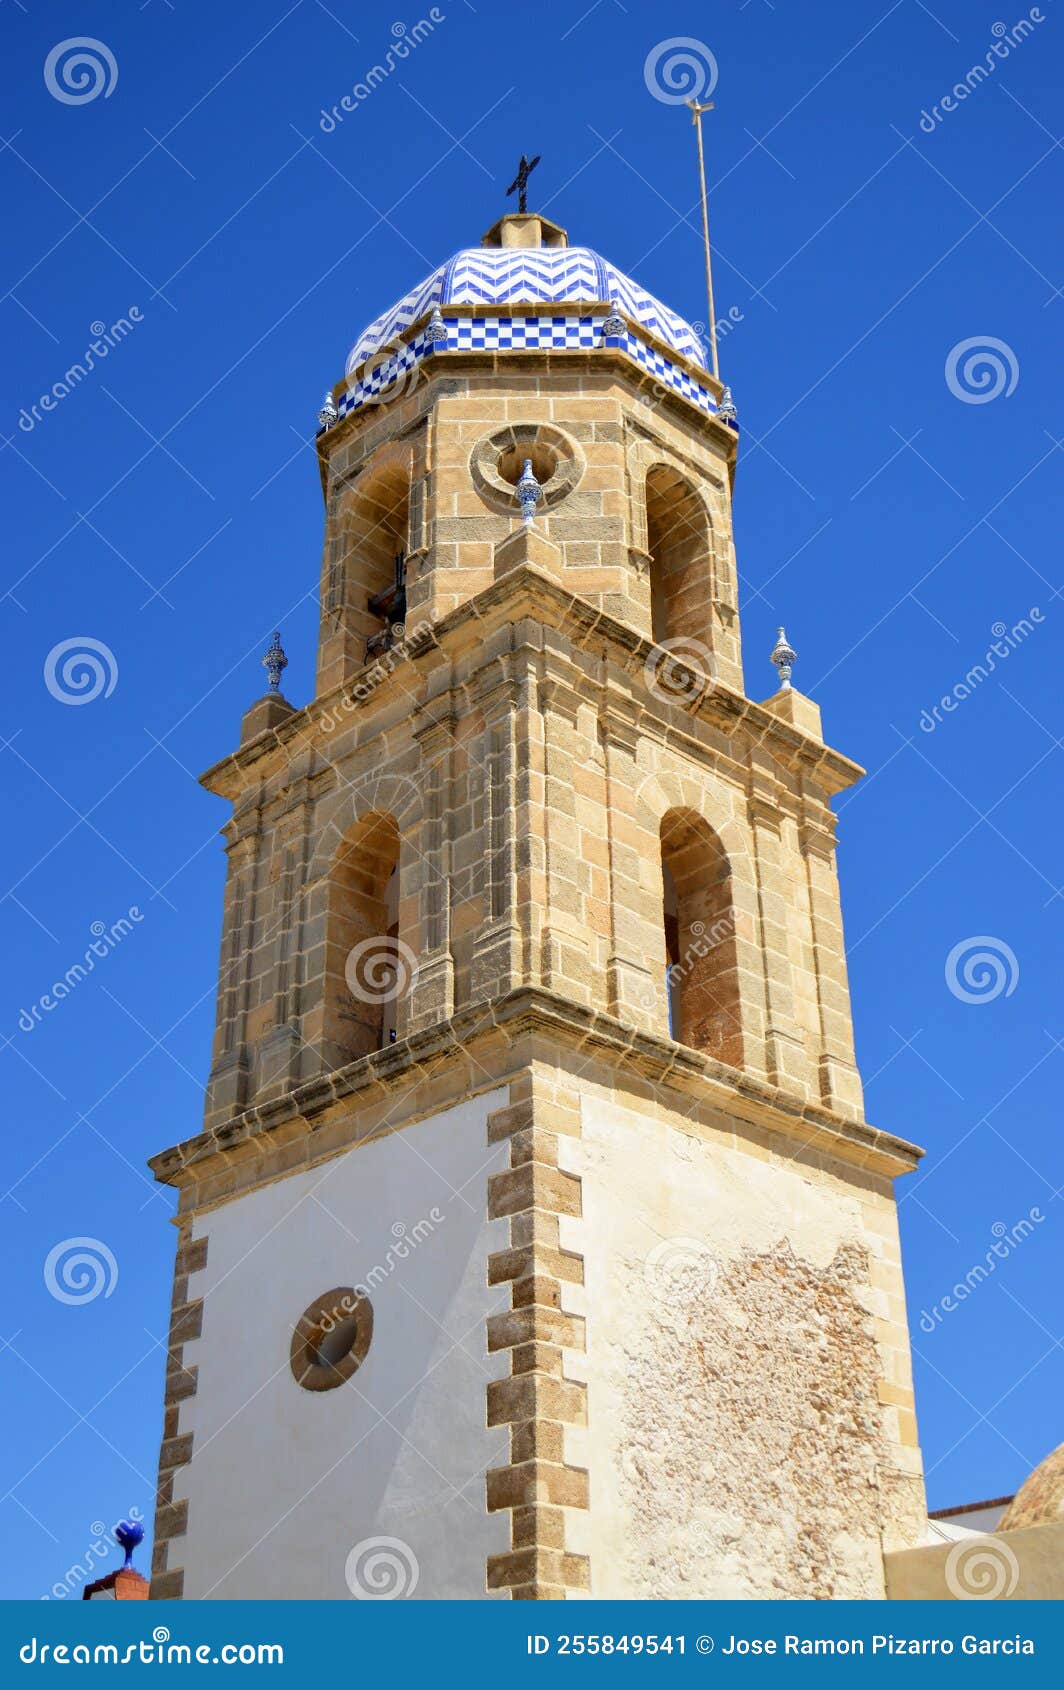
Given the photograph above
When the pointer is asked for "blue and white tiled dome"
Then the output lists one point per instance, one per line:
(524, 289)
(495, 276)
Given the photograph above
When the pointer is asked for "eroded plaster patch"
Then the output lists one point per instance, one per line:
(750, 1417)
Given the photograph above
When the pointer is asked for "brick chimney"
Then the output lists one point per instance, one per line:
(125, 1584)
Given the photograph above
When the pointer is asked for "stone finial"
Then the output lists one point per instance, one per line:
(274, 662)
(529, 492)
(726, 409)
(614, 322)
(784, 657)
(436, 329)
(328, 413)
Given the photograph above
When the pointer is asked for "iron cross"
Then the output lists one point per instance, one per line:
(519, 185)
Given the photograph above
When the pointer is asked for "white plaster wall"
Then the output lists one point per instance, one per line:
(974, 1522)
(284, 1482)
(663, 1521)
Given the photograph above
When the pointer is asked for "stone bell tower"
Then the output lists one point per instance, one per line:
(535, 1243)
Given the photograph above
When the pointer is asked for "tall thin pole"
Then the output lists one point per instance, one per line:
(696, 119)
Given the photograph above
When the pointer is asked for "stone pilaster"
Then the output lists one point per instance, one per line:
(434, 996)
(498, 952)
(276, 1057)
(840, 1083)
(340, 648)
(227, 1087)
(749, 959)
(786, 1059)
(566, 962)
(635, 993)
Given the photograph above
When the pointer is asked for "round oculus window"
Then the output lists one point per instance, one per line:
(331, 1339)
(498, 459)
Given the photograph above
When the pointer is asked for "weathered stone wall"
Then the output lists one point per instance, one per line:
(528, 764)
(741, 1366)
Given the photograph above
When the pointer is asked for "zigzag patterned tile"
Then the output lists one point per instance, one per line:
(499, 275)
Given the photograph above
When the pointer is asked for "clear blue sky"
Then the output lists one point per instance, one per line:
(170, 508)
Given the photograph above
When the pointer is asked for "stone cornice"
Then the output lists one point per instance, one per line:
(447, 362)
(526, 591)
(528, 1014)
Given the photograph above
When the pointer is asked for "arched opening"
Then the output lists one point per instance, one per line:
(702, 973)
(370, 969)
(681, 558)
(375, 541)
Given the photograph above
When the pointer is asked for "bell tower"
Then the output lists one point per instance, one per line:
(535, 1243)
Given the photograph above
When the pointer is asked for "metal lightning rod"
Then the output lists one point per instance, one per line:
(696, 118)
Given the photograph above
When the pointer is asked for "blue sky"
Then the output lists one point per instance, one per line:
(892, 511)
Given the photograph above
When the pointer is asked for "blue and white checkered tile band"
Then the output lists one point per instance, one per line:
(390, 376)
(386, 377)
